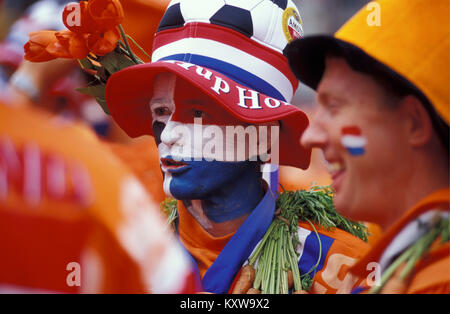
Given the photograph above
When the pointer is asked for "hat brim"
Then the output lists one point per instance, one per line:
(307, 57)
(129, 91)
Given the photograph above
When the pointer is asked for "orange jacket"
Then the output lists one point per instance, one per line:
(340, 250)
(432, 272)
(74, 219)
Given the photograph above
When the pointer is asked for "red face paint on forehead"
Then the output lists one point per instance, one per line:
(191, 103)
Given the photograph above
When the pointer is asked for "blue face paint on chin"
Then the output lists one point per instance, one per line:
(228, 190)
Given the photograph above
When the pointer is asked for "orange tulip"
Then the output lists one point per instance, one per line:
(76, 17)
(69, 45)
(98, 19)
(35, 48)
(92, 27)
(106, 13)
(103, 43)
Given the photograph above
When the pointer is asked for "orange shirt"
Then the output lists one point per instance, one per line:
(73, 219)
(432, 273)
(340, 250)
(201, 245)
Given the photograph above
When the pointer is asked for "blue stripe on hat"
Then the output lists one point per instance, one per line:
(235, 73)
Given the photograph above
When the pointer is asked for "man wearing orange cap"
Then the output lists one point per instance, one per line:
(217, 74)
(383, 126)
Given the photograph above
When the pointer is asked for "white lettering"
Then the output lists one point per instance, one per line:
(74, 17)
(374, 17)
(185, 65)
(74, 277)
(205, 73)
(254, 97)
(220, 85)
(272, 102)
(374, 278)
(213, 149)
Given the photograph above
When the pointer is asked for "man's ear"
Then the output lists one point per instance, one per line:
(420, 128)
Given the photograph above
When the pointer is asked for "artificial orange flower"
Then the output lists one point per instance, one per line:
(103, 43)
(76, 17)
(35, 48)
(92, 27)
(95, 16)
(69, 45)
(106, 13)
(98, 20)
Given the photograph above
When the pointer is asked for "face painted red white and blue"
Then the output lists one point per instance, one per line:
(196, 157)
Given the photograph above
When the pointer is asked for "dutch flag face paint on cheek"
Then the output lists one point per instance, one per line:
(353, 140)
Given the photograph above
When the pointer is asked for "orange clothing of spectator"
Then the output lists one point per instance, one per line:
(141, 156)
(73, 219)
(432, 273)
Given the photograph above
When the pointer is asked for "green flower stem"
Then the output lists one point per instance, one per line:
(140, 48)
(127, 45)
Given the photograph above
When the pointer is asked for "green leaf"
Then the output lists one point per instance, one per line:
(102, 102)
(98, 92)
(87, 64)
(94, 90)
(114, 62)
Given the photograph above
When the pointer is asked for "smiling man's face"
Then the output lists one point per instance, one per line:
(349, 100)
(189, 173)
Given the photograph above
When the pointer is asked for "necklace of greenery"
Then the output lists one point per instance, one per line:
(273, 265)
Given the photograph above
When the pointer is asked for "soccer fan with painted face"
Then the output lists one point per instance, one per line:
(382, 87)
(216, 98)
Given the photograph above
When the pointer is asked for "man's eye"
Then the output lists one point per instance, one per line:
(198, 113)
(161, 111)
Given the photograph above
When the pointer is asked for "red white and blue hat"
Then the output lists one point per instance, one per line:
(236, 43)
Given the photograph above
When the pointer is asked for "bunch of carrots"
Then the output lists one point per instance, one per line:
(273, 266)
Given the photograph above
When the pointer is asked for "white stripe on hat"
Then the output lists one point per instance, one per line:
(216, 50)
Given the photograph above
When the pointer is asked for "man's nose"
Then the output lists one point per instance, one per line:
(315, 135)
(170, 135)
